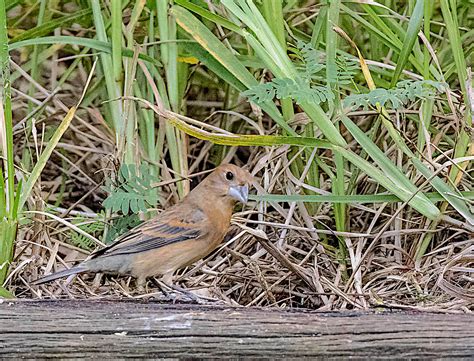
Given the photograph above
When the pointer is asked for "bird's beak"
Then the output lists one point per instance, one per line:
(239, 193)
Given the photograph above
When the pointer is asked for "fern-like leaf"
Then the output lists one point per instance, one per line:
(302, 89)
(406, 91)
(281, 88)
(121, 225)
(347, 68)
(88, 226)
(311, 63)
(133, 191)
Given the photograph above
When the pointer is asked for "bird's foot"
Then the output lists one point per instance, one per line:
(184, 298)
(180, 295)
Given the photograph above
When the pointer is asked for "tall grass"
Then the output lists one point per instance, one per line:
(153, 56)
(8, 199)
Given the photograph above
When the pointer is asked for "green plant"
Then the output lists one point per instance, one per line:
(133, 191)
(267, 47)
(303, 89)
(14, 196)
(406, 91)
(9, 192)
(120, 225)
(356, 102)
(89, 227)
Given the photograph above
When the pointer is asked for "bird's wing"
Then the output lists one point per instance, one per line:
(168, 228)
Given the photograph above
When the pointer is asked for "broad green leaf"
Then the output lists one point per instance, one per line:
(206, 14)
(215, 66)
(213, 45)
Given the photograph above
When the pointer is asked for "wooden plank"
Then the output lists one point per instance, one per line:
(78, 329)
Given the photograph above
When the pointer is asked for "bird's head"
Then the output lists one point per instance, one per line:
(230, 182)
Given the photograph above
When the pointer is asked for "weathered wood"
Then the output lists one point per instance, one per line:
(125, 329)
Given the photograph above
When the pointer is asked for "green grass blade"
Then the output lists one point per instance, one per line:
(49, 26)
(4, 293)
(449, 17)
(95, 44)
(113, 91)
(213, 45)
(273, 13)
(248, 140)
(48, 150)
(206, 14)
(277, 60)
(411, 35)
(215, 66)
(451, 195)
(223, 55)
(347, 199)
(6, 120)
(116, 37)
(8, 223)
(3, 197)
(389, 182)
(404, 188)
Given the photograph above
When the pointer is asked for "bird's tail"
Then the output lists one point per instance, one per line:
(54, 276)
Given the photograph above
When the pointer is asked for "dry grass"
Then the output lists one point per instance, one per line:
(276, 254)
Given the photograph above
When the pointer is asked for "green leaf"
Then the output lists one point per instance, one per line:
(215, 66)
(4, 293)
(134, 190)
(49, 26)
(402, 186)
(88, 226)
(73, 40)
(48, 150)
(411, 35)
(406, 91)
(223, 55)
(121, 225)
(348, 199)
(452, 195)
(206, 14)
(391, 178)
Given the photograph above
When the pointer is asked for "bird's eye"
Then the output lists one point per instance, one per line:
(229, 176)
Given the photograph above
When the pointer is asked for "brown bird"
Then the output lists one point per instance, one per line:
(175, 238)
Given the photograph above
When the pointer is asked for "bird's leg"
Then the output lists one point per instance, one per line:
(141, 283)
(167, 281)
(97, 281)
(65, 288)
(167, 287)
(182, 294)
(69, 280)
(160, 287)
